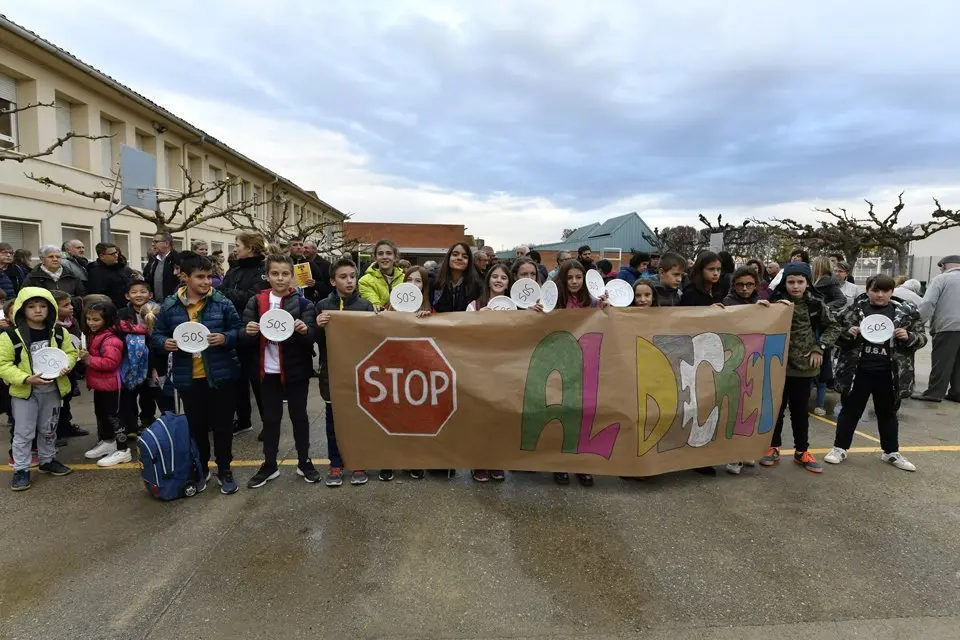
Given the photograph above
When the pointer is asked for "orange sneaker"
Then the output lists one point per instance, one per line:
(809, 463)
(772, 457)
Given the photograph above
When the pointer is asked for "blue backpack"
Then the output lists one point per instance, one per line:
(169, 458)
(136, 360)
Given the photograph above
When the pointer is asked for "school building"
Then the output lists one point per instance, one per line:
(87, 101)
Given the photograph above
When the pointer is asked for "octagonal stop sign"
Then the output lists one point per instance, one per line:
(407, 386)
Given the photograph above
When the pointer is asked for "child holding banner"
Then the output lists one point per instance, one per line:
(811, 318)
(670, 276)
(705, 288)
(344, 297)
(285, 369)
(382, 276)
(496, 283)
(883, 370)
(644, 294)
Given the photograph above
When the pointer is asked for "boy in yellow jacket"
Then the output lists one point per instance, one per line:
(35, 401)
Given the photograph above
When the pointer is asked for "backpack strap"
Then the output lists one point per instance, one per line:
(16, 341)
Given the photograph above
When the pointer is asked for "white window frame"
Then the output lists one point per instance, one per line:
(8, 93)
(64, 117)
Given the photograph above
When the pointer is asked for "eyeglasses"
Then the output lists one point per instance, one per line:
(745, 285)
(112, 253)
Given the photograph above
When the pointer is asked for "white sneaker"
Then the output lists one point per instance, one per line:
(898, 461)
(750, 463)
(735, 468)
(103, 448)
(820, 411)
(836, 456)
(115, 458)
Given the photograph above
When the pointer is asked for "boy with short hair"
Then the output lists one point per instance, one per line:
(206, 381)
(883, 370)
(284, 368)
(344, 297)
(35, 401)
(670, 272)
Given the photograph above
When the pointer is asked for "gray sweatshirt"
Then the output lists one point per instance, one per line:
(941, 304)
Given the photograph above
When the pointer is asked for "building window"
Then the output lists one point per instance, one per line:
(216, 246)
(82, 234)
(195, 165)
(8, 121)
(122, 240)
(172, 172)
(109, 148)
(233, 191)
(231, 248)
(21, 235)
(64, 126)
(141, 141)
(257, 207)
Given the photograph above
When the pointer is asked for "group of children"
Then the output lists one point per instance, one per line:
(206, 382)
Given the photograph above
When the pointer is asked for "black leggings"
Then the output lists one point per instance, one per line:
(796, 395)
(106, 407)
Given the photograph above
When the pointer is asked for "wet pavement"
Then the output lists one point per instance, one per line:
(864, 550)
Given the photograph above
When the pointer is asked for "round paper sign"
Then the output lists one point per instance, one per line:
(877, 328)
(525, 292)
(595, 284)
(191, 337)
(548, 296)
(49, 362)
(406, 297)
(502, 303)
(620, 293)
(276, 325)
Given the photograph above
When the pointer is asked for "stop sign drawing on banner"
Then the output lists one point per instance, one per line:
(407, 387)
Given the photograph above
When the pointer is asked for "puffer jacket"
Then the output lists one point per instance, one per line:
(334, 302)
(219, 316)
(814, 328)
(629, 274)
(829, 288)
(15, 375)
(906, 315)
(296, 353)
(243, 281)
(375, 287)
(103, 365)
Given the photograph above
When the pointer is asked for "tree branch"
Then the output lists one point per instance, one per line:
(9, 154)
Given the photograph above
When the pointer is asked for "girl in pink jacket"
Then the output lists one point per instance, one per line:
(102, 357)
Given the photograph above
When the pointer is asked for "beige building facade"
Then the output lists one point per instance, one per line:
(86, 101)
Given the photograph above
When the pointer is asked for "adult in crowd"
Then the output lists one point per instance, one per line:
(542, 272)
(605, 267)
(200, 247)
(491, 256)
(585, 256)
(835, 260)
(457, 283)
(941, 308)
(14, 273)
(295, 249)
(562, 256)
(109, 274)
(826, 285)
(6, 284)
(159, 271)
(52, 275)
(243, 281)
(74, 258)
(799, 255)
(382, 276)
(849, 289)
(522, 251)
(636, 269)
(908, 289)
(481, 261)
(653, 267)
(320, 270)
(216, 260)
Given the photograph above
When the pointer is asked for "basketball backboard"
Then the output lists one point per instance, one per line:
(138, 178)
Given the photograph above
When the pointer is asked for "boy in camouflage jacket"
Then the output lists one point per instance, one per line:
(883, 370)
(811, 318)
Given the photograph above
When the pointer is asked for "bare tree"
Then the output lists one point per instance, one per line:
(682, 239)
(890, 234)
(199, 202)
(15, 155)
(566, 233)
(838, 231)
(276, 228)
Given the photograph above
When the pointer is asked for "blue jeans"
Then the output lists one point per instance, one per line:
(821, 393)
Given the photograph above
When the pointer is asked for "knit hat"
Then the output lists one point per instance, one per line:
(797, 269)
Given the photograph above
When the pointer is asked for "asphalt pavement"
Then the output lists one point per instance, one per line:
(862, 551)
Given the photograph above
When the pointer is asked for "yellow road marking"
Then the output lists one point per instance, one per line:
(917, 449)
(859, 433)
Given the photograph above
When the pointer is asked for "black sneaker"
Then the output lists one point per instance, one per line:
(60, 443)
(21, 481)
(55, 468)
(307, 471)
(386, 475)
(73, 431)
(227, 484)
(263, 475)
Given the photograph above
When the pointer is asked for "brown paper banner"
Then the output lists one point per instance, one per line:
(630, 392)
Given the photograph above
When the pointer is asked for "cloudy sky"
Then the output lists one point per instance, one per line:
(520, 118)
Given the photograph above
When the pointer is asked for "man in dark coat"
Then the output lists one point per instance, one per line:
(109, 274)
(159, 272)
